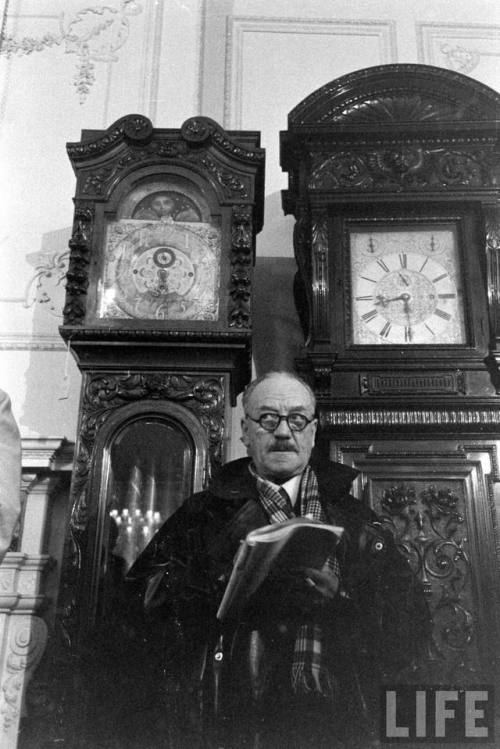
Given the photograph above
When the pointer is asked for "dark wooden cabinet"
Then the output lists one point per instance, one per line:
(393, 182)
(158, 317)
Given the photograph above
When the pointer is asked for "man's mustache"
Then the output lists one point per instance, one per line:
(283, 447)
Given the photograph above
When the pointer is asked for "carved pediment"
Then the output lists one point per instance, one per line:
(390, 94)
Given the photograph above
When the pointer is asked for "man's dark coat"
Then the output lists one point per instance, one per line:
(376, 625)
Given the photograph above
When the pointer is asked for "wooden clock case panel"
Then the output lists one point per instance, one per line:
(108, 546)
(221, 175)
(396, 143)
(179, 208)
(158, 316)
(409, 146)
(211, 214)
(437, 496)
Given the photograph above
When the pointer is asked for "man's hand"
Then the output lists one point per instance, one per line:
(324, 583)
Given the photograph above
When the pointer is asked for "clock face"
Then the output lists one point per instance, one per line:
(406, 287)
(160, 270)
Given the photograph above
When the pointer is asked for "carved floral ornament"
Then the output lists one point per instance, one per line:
(104, 393)
(241, 261)
(77, 276)
(93, 34)
(411, 167)
(98, 181)
(428, 523)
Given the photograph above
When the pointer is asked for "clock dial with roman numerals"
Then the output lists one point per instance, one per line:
(409, 292)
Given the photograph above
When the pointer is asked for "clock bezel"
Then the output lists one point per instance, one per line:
(140, 183)
(387, 266)
(466, 220)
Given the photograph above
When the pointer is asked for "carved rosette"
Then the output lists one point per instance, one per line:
(411, 167)
(203, 129)
(77, 279)
(428, 523)
(240, 287)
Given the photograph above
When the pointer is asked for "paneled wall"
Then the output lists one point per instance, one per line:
(71, 64)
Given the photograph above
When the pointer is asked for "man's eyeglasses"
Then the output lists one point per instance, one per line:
(297, 422)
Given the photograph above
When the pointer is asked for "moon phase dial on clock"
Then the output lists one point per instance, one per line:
(406, 298)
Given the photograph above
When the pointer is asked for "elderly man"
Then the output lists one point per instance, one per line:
(301, 667)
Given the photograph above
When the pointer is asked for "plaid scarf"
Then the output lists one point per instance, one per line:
(309, 672)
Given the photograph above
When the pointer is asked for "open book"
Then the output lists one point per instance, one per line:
(274, 550)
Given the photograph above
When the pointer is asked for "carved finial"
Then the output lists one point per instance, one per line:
(197, 129)
(136, 127)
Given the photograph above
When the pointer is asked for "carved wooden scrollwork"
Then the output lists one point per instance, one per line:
(429, 525)
(77, 280)
(412, 168)
(104, 393)
(129, 141)
(239, 313)
(135, 127)
(232, 186)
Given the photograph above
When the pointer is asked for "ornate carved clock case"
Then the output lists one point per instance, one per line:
(158, 317)
(393, 182)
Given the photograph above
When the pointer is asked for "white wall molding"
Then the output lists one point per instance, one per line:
(471, 49)
(23, 636)
(239, 28)
(93, 34)
(21, 342)
(23, 633)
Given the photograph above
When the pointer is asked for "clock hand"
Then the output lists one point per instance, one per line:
(404, 280)
(384, 301)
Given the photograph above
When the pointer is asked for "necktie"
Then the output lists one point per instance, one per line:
(288, 502)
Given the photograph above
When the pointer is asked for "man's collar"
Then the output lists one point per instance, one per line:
(235, 482)
(291, 485)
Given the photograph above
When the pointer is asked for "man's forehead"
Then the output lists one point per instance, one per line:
(281, 390)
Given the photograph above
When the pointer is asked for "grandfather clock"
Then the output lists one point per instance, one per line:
(158, 317)
(393, 182)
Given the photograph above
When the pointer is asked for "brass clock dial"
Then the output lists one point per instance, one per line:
(161, 270)
(406, 288)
